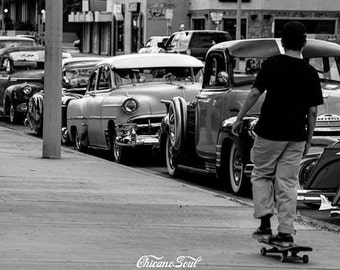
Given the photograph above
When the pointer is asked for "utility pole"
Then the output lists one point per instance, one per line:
(2, 14)
(52, 80)
(238, 19)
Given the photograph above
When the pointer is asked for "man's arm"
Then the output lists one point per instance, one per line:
(311, 120)
(251, 99)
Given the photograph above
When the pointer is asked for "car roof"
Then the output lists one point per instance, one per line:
(201, 31)
(2, 38)
(78, 65)
(152, 60)
(21, 48)
(266, 47)
(67, 61)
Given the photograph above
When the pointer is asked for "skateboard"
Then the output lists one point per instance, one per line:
(286, 257)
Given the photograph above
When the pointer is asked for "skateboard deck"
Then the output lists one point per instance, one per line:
(288, 253)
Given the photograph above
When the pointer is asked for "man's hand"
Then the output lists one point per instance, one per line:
(237, 127)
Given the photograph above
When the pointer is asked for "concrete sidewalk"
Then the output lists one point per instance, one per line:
(82, 212)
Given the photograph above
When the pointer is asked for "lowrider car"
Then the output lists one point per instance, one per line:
(21, 75)
(199, 134)
(121, 108)
(76, 72)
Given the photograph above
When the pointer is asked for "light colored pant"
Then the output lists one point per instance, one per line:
(276, 162)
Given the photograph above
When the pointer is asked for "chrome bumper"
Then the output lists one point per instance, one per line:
(127, 136)
(312, 196)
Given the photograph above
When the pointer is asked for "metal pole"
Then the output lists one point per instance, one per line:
(238, 19)
(52, 80)
(2, 15)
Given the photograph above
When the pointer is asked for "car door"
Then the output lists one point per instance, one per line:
(4, 80)
(211, 102)
(103, 88)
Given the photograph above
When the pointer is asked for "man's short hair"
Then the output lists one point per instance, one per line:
(293, 35)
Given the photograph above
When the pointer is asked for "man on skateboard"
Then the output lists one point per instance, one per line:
(284, 132)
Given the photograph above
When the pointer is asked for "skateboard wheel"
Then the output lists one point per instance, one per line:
(305, 258)
(263, 251)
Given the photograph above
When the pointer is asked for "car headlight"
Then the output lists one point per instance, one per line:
(130, 105)
(27, 90)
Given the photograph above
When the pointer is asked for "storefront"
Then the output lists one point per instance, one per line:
(265, 18)
(123, 26)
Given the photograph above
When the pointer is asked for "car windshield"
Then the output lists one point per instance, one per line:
(159, 74)
(16, 43)
(78, 76)
(27, 60)
(327, 67)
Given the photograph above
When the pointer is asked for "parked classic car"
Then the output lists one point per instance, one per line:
(121, 108)
(21, 75)
(194, 42)
(154, 44)
(76, 72)
(230, 70)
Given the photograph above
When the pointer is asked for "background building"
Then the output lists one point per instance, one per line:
(113, 27)
(265, 18)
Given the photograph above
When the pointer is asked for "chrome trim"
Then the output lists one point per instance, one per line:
(101, 117)
(77, 118)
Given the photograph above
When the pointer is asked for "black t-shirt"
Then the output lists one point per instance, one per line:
(293, 87)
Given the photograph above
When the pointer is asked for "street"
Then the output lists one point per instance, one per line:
(156, 166)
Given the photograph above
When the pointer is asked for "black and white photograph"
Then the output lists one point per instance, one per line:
(169, 134)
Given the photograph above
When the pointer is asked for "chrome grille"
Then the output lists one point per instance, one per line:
(147, 125)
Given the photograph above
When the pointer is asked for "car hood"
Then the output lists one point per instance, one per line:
(329, 111)
(28, 75)
(149, 96)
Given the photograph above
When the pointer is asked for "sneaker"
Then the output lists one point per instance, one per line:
(284, 241)
(263, 234)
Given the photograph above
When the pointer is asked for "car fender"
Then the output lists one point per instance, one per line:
(244, 141)
(75, 118)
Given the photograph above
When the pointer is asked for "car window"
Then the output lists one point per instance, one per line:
(164, 40)
(214, 65)
(175, 40)
(92, 81)
(327, 67)
(104, 79)
(148, 43)
(206, 40)
(78, 76)
(184, 41)
(16, 43)
(160, 74)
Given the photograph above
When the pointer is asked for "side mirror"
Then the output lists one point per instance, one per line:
(223, 78)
